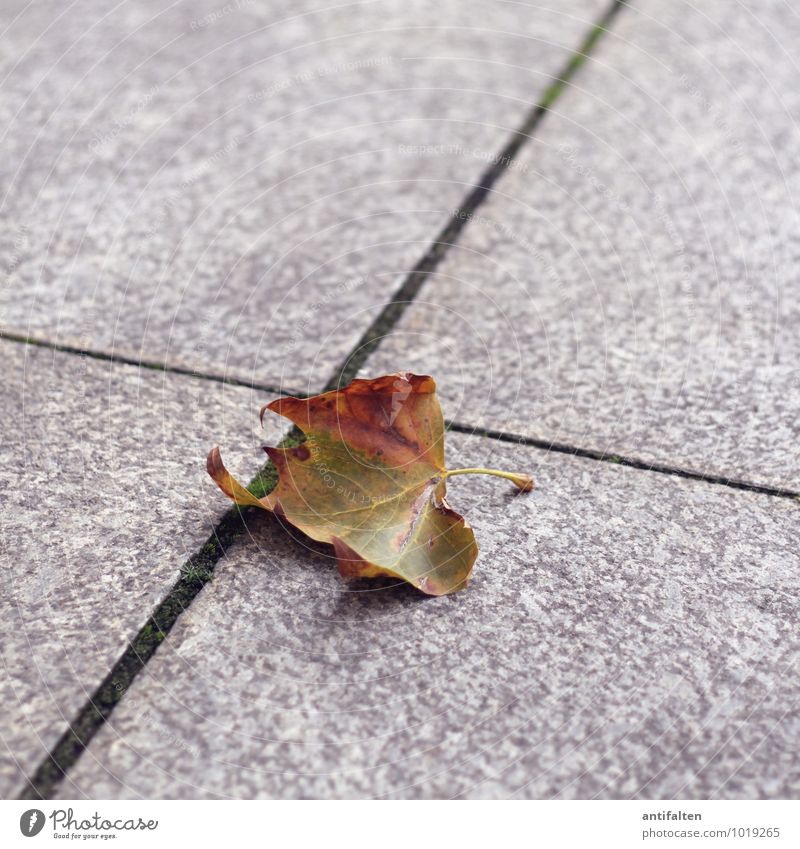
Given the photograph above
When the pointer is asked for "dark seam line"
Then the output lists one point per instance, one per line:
(195, 574)
(199, 569)
(619, 460)
(152, 365)
(408, 291)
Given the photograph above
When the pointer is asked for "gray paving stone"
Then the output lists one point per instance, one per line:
(626, 634)
(103, 495)
(238, 188)
(629, 287)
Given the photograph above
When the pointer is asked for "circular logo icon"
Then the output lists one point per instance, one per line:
(31, 822)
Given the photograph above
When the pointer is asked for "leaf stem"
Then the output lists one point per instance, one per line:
(523, 482)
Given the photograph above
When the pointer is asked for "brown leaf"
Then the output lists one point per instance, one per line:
(370, 480)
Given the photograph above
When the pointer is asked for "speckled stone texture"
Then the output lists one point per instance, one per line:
(239, 188)
(103, 495)
(626, 634)
(630, 285)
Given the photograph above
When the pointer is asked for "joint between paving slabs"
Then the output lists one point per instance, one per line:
(122, 359)
(196, 572)
(199, 569)
(620, 460)
(411, 286)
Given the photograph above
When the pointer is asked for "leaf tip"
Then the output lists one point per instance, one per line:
(214, 462)
(277, 455)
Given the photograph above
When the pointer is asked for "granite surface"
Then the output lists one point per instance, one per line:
(630, 285)
(626, 634)
(103, 495)
(239, 188)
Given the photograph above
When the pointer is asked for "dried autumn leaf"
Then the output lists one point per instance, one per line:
(370, 480)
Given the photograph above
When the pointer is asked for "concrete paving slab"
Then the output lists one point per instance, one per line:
(626, 634)
(629, 285)
(103, 496)
(238, 188)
